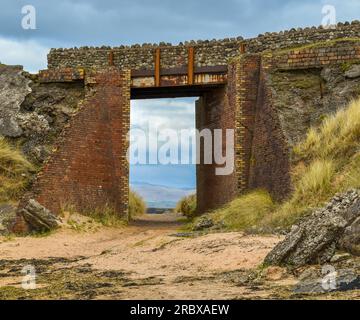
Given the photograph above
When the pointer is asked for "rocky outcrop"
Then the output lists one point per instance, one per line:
(353, 72)
(303, 98)
(350, 241)
(39, 218)
(316, 238)
(35, 113)
(342, 280)
(7, 218)
(203, 223)
(14, 87)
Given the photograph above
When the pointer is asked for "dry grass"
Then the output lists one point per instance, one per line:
(337, 137)
(245, 211)
(329, 161)
(315, 181)
(15, 172)
(137, 205)
(187, 206)
(106, 216)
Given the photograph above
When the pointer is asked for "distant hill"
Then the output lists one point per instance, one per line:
(160, 196)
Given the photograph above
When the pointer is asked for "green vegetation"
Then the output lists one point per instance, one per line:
(320, 44)
(326, 162)
(187, 206)
(108, 217)
(15, 172)
(137, 205)
(345, 66)
(245, 211)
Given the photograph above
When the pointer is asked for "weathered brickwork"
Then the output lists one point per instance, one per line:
(215, 111)
(88, 170)
(61, 75)
(269, 167)
(247, 77)
(316, 56)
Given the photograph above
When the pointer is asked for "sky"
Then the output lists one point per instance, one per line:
(70, 23)
(162, 114)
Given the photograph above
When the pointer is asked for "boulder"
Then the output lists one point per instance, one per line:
(38, 217)
(350, 241)
(353, 72)
(343, 280)
(316, 237)
(203, 223)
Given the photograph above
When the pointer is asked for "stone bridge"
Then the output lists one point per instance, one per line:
(88, 169)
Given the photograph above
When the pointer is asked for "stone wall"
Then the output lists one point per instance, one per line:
(142, 57)
(207, 53)
(302, 36)
(88, 169)
(310, 83)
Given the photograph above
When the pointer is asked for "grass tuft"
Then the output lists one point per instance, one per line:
(137, 205)
(187, 206)
(15, 172)
(246, 211)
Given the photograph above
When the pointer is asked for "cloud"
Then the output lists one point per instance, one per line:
(176, 114)
(70, 23)
(29, 53)
(161, 114)
(114, 22)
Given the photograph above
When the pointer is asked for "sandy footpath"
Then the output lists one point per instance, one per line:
(145, 260)
(149, 249)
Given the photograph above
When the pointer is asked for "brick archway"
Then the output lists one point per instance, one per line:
(89, 170)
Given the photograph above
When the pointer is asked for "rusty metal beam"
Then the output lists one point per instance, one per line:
(242, 48)
(157, 67)
(190, 70)
(179, 80)
(180, 71)
(111, 58)
(172, 92)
